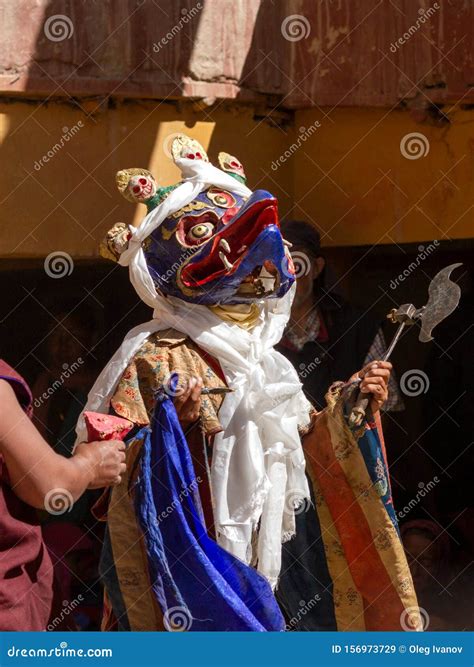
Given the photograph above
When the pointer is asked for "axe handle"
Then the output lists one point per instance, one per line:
(359, 409)
(395, 340)
(362, 402)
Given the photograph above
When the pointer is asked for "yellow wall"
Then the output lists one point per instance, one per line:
(353, 181)
(69, 202)
(349, 176)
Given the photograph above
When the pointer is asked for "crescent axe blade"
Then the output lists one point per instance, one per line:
(444, 296)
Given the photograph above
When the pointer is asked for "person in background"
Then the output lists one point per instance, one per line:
(326, 338)
(428, 550)
(31, 472)
(69, 361)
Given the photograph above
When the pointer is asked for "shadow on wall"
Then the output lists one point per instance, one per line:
(61, 153)
(62, 143)
(61, 150)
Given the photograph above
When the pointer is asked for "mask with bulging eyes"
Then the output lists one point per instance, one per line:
(220, 248)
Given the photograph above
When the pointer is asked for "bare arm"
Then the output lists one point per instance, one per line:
(35, 469)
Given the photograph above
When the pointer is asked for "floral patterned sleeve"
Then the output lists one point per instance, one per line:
(161, 354)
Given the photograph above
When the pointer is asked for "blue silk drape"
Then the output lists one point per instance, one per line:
(198, 585)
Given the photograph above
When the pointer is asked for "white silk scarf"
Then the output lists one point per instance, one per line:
(258, 467)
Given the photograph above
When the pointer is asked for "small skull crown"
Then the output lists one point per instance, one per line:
(142, 187)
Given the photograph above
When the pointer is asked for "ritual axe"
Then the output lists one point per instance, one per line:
(444, 295)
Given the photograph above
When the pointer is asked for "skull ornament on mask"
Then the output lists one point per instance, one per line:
(141, 187)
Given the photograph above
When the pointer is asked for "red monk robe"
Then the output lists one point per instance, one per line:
(26, 571)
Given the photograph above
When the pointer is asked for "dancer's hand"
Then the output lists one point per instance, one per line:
(374, 380)
(188, 403)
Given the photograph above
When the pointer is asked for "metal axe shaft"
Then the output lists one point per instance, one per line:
(362, 402)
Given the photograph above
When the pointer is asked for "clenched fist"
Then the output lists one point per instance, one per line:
(105, 459)
(374, 380)
(188, 403)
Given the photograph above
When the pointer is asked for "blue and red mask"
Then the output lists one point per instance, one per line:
(222, 247)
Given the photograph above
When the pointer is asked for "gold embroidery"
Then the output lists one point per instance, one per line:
(405, 586)
(167, 233)
(189, 208)
(160, 355)
(242, 314)
(146, 245)
(383, 540)
(128, 550)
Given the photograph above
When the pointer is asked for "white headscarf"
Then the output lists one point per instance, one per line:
(258, 467)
